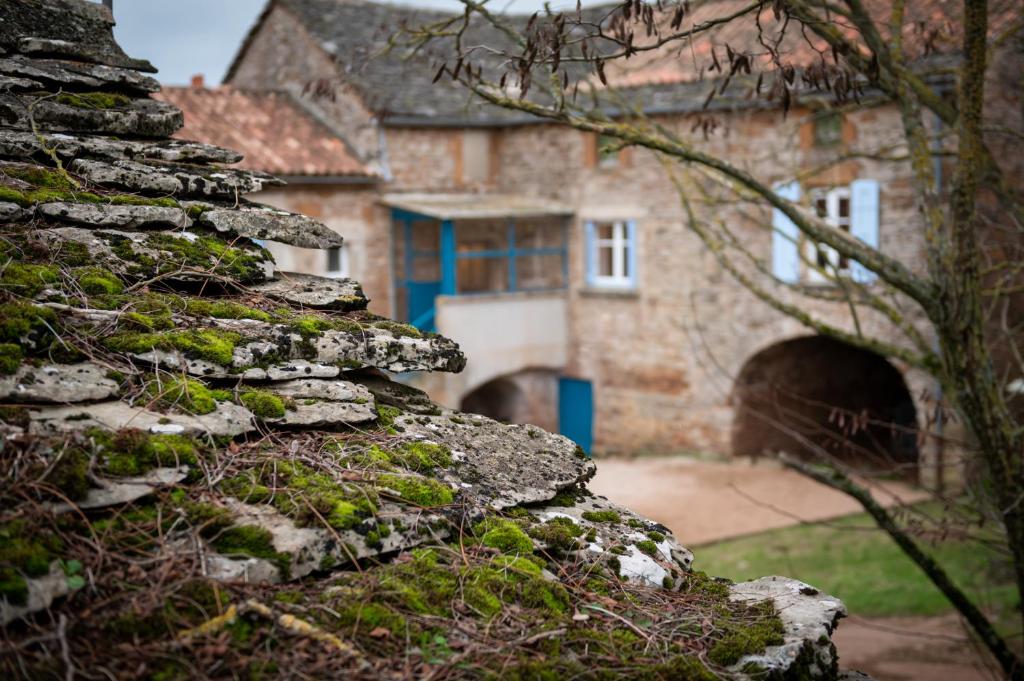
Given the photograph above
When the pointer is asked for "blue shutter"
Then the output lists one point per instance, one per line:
(631, 251)
(864, 223)
(589, 245)
(786, 238)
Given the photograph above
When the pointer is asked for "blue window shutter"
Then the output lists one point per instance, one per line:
(589, 246)
(631, 251)
(864, 223)
(786, 238)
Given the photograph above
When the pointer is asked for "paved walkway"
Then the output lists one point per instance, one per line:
(704, 501)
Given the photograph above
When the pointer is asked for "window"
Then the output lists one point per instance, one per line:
(611, 254)
(498, 256)
(832, 205)
(607, 151)
(854, 209)
(476, 156)
(337, 262)
(828, 129)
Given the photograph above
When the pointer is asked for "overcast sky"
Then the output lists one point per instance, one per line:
(186, 37)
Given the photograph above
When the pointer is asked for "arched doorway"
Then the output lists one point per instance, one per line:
(528, 396)
(816, 393)
(500, 399)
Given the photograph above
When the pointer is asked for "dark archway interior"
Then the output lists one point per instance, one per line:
(500, 399)
(819, 392)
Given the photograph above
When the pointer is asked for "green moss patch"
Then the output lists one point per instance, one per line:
(27, 280)
(602, 516)
(418, 490)
(212, 345)
(254, 541)
(263, 403)
(186, 394)
(305, 495)
(11, 357)
(97, 281)
(93, 100)
(25, 552)
(559, 533)
(505, 535)
(132, 452)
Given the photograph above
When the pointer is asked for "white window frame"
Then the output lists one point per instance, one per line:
(834, 266)
(619, 244)
(343, 262)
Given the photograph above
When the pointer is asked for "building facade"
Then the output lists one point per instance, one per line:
(568, 272)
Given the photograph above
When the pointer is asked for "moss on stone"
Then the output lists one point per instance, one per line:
(97, 281)
(656, 536)
(263, 403)
(558, 533)
(398, 329)
(386, 418)
(26, 279)
(212, 345)
(25, 552)
(304, 495)
(70, 474)
(38, 176)
(206, 253)
(505, 535)
(428, 585)
(647, 546)
(93, 100)
(418, 490)
(186, 394)
(254, 541)
(11, 357)
(131, 452)
(368, 617)
(747, 633)
(420, 457)
(602, 516)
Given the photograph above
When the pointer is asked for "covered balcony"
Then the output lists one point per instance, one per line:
(488, 271)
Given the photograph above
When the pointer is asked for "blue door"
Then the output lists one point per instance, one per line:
(576, 411)
(421, 303)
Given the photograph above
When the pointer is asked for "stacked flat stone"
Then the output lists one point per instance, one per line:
(155, 366)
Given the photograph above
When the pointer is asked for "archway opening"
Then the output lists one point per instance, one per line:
(527, 396)
(816, 394)
(500, 399)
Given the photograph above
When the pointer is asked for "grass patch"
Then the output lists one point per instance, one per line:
(853, 560)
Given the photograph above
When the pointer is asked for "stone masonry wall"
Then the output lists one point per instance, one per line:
(662, 357)
(353, 212)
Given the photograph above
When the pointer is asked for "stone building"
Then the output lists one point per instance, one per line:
(568, 273)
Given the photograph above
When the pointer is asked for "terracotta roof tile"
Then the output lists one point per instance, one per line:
(271, 129)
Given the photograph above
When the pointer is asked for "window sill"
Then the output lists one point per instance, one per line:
(609, 292)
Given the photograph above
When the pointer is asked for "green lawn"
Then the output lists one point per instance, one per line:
(852, 560)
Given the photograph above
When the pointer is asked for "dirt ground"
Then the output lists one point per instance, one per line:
(704, 501)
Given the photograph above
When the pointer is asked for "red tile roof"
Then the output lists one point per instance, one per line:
(272, 130)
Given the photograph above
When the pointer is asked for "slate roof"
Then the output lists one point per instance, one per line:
(356, 32)
(272, 130)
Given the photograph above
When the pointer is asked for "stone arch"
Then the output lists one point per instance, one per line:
(527, 396)
(816, 392)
